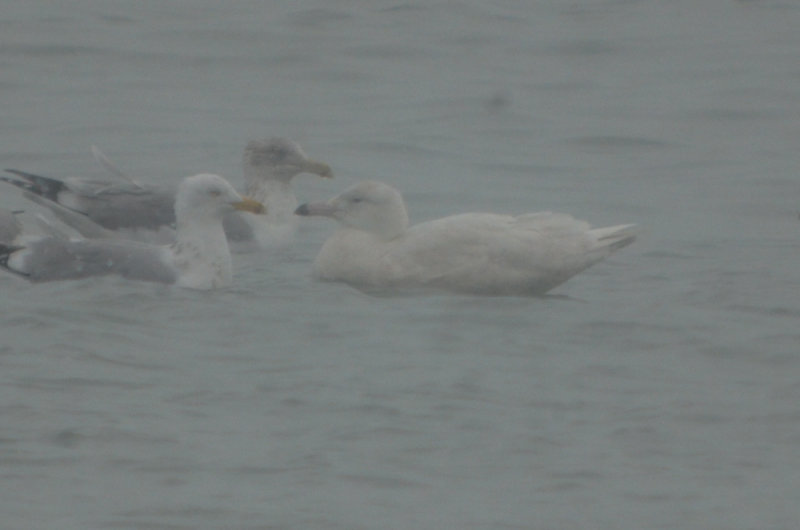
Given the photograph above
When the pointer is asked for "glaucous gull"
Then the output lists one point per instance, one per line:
(472, 253)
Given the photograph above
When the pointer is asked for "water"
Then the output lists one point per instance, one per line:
(656, 390)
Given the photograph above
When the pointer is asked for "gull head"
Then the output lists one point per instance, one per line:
(279, 159)
(370, 206)
(210, 197)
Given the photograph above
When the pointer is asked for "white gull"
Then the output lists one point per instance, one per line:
(472, 253)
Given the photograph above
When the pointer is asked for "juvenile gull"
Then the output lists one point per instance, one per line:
(198, 259)
(127, 209)
(473, 253)
(269, 167)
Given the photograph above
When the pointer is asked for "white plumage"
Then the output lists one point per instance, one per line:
(473, 253)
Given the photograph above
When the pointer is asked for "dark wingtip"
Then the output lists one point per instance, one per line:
(23, 184)
(301, 210)
(47, 187)
(19, 173)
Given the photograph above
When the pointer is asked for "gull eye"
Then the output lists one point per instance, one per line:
(215, 193)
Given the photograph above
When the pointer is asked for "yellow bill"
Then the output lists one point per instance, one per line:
(249, 205)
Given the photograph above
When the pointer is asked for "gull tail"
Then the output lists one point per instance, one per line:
(613, 238)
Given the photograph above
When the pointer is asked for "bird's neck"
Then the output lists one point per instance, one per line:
(201, 249)
(277, 197)
(199, 229)
(260, 189)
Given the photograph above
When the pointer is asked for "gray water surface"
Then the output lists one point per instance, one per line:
(658, 390)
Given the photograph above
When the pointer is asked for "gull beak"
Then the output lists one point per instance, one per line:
(316, 208)
(319, 168)
(249, 205)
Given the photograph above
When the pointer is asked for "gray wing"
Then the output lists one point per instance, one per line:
(112, 205)
(53, 258)
(80, 222)
(120, 206)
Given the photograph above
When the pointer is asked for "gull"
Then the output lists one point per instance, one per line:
(473, 253)
(125, 208)
(198, 259)
(269, 167)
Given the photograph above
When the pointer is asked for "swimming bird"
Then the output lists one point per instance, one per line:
(199, 258)
(127, 209)
(269, 167)
(472, 253)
